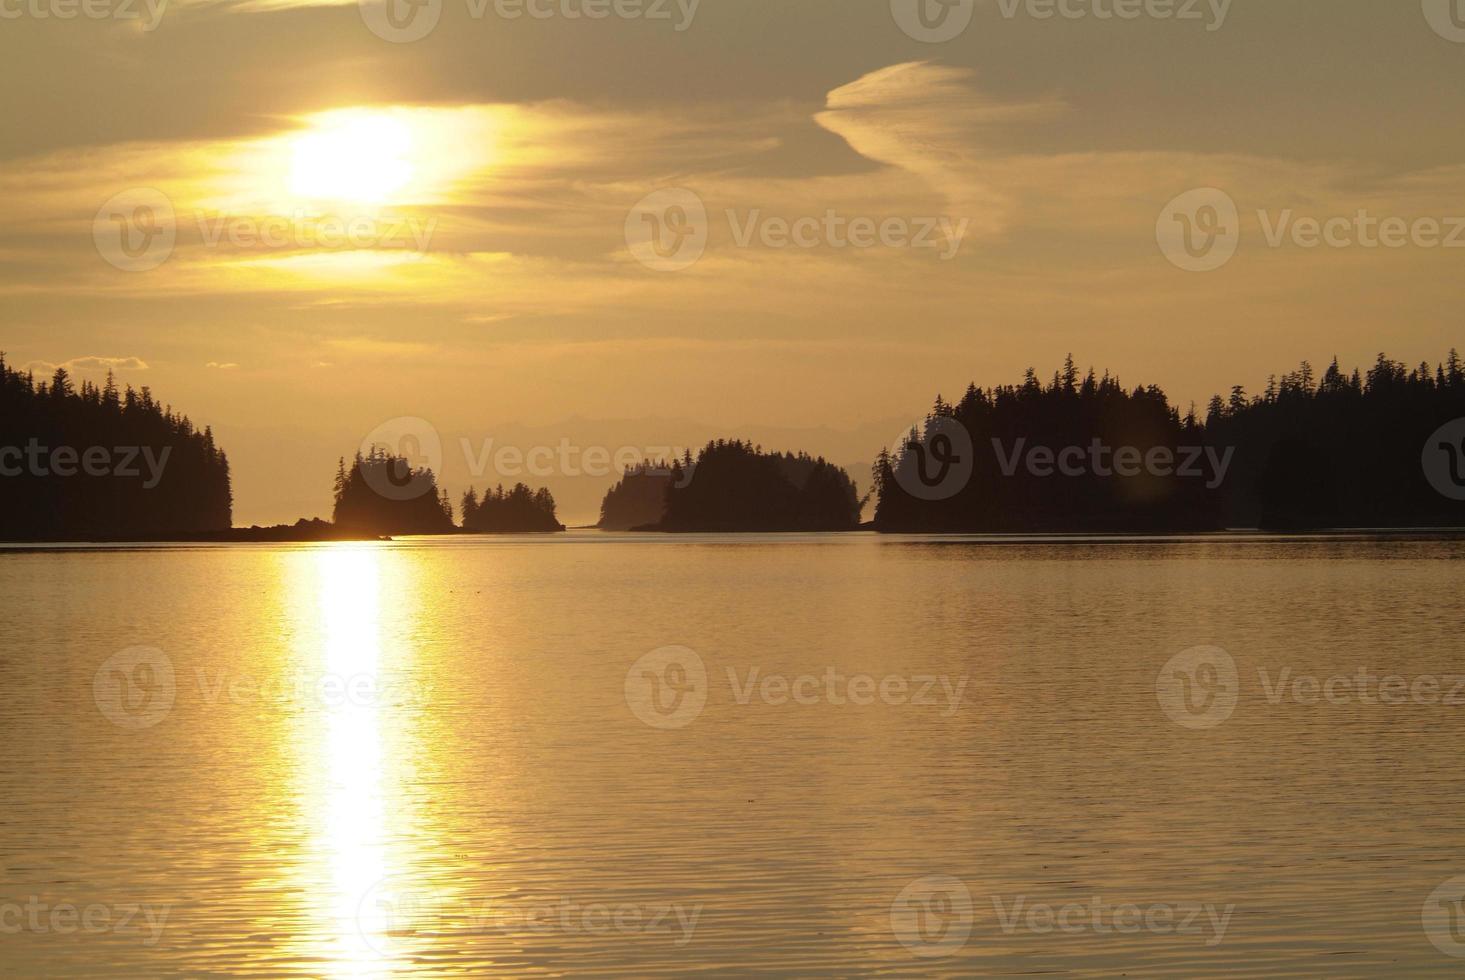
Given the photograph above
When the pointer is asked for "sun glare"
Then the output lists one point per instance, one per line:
(358, 156)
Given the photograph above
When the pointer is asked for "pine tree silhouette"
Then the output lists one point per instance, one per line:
(189, 492)
(1309, 453)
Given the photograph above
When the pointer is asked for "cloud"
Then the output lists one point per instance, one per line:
(89, 363)
(226, 366)
(527, 219)
(931, 121)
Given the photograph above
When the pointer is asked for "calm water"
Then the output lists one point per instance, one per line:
(457, 758)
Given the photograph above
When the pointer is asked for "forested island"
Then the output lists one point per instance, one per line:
(734, 486)
(99, 463)
(383, 493)
(1342, 450)
(517, 510)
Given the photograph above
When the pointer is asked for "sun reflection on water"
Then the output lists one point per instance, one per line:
(352, 833)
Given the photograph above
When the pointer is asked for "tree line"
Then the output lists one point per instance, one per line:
(1340, 450)
(79, 462)
(734, 486)
(638, 498)
(1309, 452)
(383, 493)
(1078, 453)
(519, 509)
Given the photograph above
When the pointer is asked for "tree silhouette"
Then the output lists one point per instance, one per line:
(382, 493)
(1342, 451)
(638, 499)
(160, 475)
(1309, 453)
(1002, 423)
(735, 486)
(519, 509)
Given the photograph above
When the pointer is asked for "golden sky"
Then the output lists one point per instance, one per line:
(342, 225)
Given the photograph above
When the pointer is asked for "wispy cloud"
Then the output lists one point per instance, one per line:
(91, 362)
(932, 121)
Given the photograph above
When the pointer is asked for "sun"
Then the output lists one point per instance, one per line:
(353, 155)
